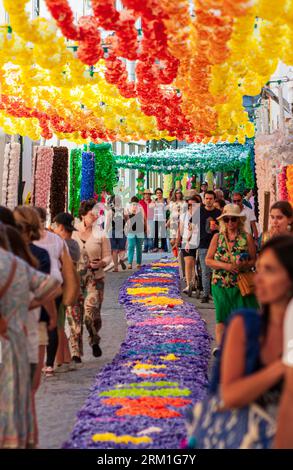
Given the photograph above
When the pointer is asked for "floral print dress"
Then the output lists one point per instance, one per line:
(16, 421)
(226, 294)
(221, 277)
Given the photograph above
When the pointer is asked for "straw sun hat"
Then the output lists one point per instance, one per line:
(232, 210)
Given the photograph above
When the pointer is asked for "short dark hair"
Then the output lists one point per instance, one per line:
(158, 189)
(85, 207)
(7, 217)
(212, 193)
(238, 193)
(134, 199)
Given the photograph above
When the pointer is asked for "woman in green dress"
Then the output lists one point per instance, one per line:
(231, 251)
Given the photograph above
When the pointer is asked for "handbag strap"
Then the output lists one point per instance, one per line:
(10, 278)
(228, 247)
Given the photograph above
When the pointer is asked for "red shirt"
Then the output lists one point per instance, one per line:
(148, 212)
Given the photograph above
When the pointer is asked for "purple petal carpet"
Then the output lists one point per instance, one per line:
(139, 400)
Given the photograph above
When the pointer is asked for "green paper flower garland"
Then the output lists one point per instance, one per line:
(105, 174)
(196, 159)
(75, 181)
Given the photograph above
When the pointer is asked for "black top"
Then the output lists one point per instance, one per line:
(206, 234)
(118, 223)
(44, 266)
(136, 223)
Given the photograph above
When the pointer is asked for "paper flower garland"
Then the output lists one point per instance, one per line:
(59, 178)
(75, 181)
(196, 158)
(105, 174)
(10, 175)
(41, 175)
(289, 183)
(282, 180)
(87, 176)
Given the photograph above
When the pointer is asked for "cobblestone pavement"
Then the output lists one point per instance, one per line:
(61, 397)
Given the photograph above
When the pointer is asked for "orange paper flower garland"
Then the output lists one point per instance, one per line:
(289, 183)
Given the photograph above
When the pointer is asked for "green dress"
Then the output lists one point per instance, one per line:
(226, 294)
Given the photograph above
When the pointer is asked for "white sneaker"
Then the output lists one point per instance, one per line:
(62, 368)
(109, 267)
(215, 352)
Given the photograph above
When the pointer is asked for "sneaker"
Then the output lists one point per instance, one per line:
(205, 300)
(109, 267)
(61, 368)
(97, 352)
(215, 352)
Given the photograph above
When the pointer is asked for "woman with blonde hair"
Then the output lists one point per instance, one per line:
(231, 252)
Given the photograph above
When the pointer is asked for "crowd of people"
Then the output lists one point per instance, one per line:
(52, 278)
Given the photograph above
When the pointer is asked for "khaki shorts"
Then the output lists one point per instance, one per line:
(43, 334)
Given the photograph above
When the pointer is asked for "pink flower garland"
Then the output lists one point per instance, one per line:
(282, 179)
(42, 176)
(10, 175)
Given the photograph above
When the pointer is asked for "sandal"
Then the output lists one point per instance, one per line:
(49, 372)
(129, 266)
(123, 265)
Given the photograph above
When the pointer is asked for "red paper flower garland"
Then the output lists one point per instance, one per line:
(87, 33)
(155, 65)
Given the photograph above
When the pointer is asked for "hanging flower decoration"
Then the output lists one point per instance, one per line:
(282, 184)
(196, 158)
(59, 180)
(10, 175)
(87, 176)
(289, 183)
(105, 168)
(75, 181)
(194, 64)
(41, 176)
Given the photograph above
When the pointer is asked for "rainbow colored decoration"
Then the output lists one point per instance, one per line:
(194, 62)
(139, 400)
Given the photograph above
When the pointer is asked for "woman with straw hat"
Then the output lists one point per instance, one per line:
(231, 251)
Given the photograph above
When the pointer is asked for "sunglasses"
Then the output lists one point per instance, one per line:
(229, 219)
(237, 201)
